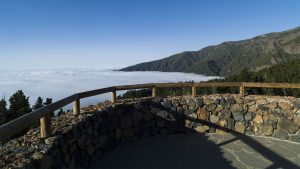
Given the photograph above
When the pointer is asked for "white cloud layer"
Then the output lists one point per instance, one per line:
(60, 83)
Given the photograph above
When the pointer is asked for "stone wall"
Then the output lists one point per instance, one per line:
(100, 128)
(277, 117)
(97, 129)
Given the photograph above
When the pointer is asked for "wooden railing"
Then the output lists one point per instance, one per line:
(43, 114)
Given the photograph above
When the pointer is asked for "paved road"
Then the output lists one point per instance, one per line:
(202, 151)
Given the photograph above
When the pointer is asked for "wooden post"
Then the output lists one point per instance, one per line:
(45, 126)
(194, 91)
(154, 91)
(114, 97)
(242, 90)
(76, 107)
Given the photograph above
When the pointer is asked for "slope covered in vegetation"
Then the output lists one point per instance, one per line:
(285, 72)
(230, 58)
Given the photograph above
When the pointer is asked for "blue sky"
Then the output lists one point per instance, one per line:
(71, 33)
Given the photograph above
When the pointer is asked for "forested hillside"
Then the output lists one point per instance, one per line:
(230, 58)
(285, 72)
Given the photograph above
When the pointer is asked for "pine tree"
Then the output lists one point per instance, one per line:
(38, 103)
(48, 101)
(3, 112)
(19, 105)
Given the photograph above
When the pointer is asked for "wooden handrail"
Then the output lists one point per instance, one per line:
(22, 122)
(272, 85)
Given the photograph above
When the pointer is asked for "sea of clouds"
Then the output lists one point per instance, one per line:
(59, 83)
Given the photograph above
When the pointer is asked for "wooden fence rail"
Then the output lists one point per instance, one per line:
(43, 114)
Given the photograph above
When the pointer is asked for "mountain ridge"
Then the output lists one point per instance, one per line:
(231, 57)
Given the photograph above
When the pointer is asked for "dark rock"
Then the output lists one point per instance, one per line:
(236, 108)
(161, 123)
(217, 101)
(248, 116)
(166, 103)
(219, 108)
(46, 162)
(180, 110)
(126, 122)
(280, 134)
(199, 102)
(295, 138)
(183, 101)
(249, 131)
(137, 105)
(267, 129)
(297, 104)
(82, 141)
(114, 121)
(297, 121)
(231, 100)
(185, 107)
(191, 102)
(238, 116)
(222, 101)
(137, 116)
(239, 100)
(161, 113)
(173, 109)
(287, 125)
(129, 132)
(271, 119)
(230, 124)
(188, 112)
(225, 114)
(210, 107)
(148, 115)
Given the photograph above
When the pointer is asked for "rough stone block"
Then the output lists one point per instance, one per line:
(202, 129)
(202, 114)
(285, 106)
(280, 134)
(258, 119)
(214, 119)
(267, 130)
(287, 125)
(126, 122)
(240, 127)
(238, 116)
(210, 107)
(208, 101)
(225, 114)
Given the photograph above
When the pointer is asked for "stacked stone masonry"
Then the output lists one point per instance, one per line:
(100, 128)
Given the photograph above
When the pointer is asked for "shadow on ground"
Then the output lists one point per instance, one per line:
(173, 151)
(195, 150)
